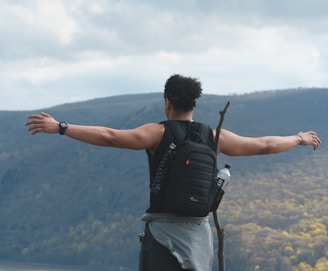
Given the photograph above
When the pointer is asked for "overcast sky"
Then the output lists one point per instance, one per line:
(58, 51)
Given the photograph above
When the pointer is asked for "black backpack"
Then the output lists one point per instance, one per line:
(184, 182)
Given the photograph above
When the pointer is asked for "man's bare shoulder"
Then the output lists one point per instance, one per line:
(155, 132)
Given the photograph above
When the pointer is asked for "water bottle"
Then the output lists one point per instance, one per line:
(223, 177)
(222, 180)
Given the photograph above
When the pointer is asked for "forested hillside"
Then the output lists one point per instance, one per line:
(65, 202)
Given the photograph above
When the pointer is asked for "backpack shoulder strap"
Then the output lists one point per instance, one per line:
(174, 130)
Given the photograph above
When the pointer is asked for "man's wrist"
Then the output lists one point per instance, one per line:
(301, 139)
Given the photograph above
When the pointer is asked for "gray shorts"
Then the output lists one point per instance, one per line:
(155, 257)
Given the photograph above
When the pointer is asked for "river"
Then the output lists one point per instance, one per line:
(35, 267)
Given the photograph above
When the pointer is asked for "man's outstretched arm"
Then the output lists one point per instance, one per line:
(142, 137)
(235, 145)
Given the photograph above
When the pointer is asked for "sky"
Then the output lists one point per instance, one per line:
(57, 51)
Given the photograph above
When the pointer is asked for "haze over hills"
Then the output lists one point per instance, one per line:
(65, 202)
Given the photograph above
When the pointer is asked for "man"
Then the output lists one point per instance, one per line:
(172, 242)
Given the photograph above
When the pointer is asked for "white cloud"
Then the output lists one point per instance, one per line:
(80, 49)
(53, 17)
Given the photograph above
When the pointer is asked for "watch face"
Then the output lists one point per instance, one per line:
(63, 124)
(62, 127)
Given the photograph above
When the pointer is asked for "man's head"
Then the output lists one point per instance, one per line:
(182, 92)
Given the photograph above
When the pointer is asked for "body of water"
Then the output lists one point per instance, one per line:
(35, 267)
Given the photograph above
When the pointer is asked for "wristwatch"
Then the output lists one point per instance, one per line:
(62, 127)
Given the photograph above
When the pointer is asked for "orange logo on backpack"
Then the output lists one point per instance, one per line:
(193, 199)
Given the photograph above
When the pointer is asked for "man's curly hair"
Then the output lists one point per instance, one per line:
(182, 92)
